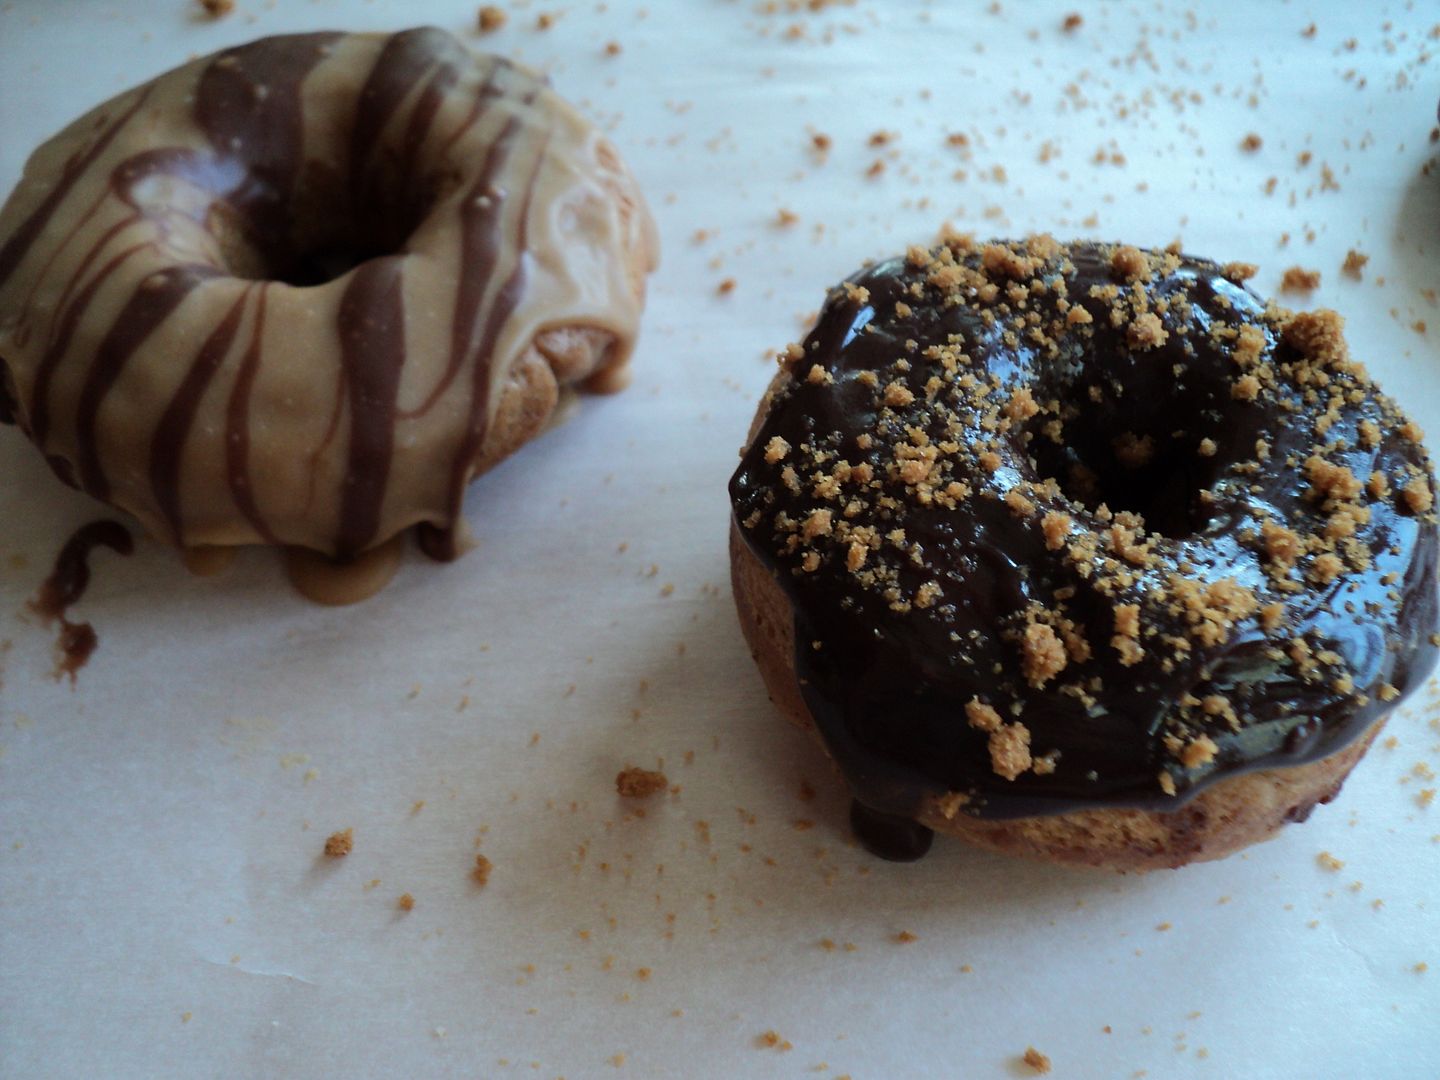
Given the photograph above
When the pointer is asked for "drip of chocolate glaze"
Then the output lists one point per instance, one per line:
(888, 836)
(66, 584)
(888, 688)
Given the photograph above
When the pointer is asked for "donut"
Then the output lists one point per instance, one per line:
(1082, 552)
(301, 291)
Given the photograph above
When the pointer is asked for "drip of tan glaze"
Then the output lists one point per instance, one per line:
(207, 560)
(338, 583)
(610, 380)
(330, 417)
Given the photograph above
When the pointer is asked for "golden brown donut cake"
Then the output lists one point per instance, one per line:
(1082, 552)
(301, 291)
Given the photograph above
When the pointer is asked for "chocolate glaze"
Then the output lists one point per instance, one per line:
(888, 836)
(66, 584)
(888, 688)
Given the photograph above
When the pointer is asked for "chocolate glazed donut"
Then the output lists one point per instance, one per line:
(1082, 552)
(301, 291)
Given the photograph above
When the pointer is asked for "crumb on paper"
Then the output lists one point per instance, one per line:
(726, 287)
(481, 872)
(633, 782)
(1072, 22)
(490, 19)
(1251, 143)
(406, 902)
(1036, 1060)
(772, 1040)
(339, 844)
(1329, 862)
(1354, 262)
(905, 937)
(218, 9)
(1298, 279)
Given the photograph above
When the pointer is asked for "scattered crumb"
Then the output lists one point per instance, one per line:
(636, 783)
(406, 902)
(905, 937)
(1353, 264)
(340, 844)
(490, 19)
(1298, 279)
(217, 9)
(481, 873)
(771, 1040)
(1329, 862)
(726, 287)
(1072, 22)
(612, 48)
(1036, 1060)
(1251, 143)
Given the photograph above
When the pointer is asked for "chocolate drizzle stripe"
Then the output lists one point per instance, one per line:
(60, 344)
(249, 97)
(168, 443)
(445, 545)
(14, 249)
(398, 68)
(150, 305)
(481, 214)
(372, 352)
(55, 253)
(237, 426)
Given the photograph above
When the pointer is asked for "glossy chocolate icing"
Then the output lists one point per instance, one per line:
(887, 667)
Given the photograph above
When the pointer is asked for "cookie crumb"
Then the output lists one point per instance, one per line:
(490, 19)
(726, 287)
(1251, 143)
(1036, 1060)
(1353, 264)
(406, 902)
(636, 783)
(339, 844)
(218, 9)
(1298, 279)
(1072, 22)
(481, 872)
(771, 1040)
(1329, 862)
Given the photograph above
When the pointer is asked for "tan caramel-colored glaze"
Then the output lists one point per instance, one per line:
(207, 561)
(339, 583)
(164, 358)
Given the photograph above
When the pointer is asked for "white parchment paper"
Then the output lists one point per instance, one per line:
(164, 907)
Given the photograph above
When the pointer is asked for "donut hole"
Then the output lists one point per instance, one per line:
(327, 228)
(1154, 450)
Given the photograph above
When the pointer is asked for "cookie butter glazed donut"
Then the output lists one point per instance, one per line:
(1082, 552)
(301, 291)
